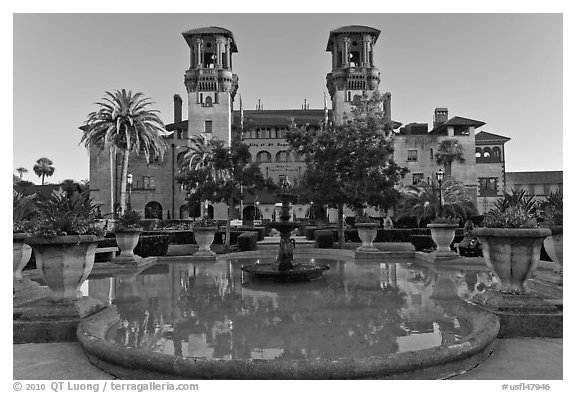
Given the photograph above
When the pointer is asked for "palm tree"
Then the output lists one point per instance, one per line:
(421, 201)
(449, 151)
(21, 171)
(44, 168)
(201, 155)
(124, 122)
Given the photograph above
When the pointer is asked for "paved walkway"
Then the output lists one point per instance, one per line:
(513, 359)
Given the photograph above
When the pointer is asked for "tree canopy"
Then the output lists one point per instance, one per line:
(44, 167)
(351, 163)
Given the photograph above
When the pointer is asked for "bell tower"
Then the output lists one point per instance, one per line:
(210, 82)
(353, 70)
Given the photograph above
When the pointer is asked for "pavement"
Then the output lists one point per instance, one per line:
(512, 359)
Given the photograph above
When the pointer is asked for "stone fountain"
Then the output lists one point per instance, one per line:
(284, 269)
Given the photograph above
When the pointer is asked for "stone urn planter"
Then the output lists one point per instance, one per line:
(204, 237)
(512, 254)
(554, 245)
(127, 239)
(64, 263)
(20, 256)
(367, 232)
(442, 235)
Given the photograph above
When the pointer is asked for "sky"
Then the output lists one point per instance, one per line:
(502, 69)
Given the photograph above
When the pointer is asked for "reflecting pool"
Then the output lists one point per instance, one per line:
(356, 310)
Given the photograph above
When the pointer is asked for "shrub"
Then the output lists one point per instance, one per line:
(511, 217)
(152, 246)
(62, 215)
(128, 220)
(422, 242)
(248, 241)
(324, 238)
(309, 232)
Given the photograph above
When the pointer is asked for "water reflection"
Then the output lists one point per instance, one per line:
(213, 311)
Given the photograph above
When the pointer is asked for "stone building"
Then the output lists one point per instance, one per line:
(211, 87)
(537, 184)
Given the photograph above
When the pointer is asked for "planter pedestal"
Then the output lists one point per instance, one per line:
(442, 235)
(512, 255)
(367, 233)
(64, 263)
(204, 237)
(21, 254)
(554, 245)
(127, 240)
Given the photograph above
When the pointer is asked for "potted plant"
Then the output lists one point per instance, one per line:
(64, 242)
(24, 208)
(204, 231)
(367, 231)
(551, 217)
(511, 243)
(127, 230)
(443, 230)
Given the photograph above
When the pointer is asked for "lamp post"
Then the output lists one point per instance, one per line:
(257, 211)
(129, 204)
(440, 177)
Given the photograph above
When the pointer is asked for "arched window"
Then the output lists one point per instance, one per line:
(201, 98)
(153, 210)
(487, 152)
(263, 157)
(283, 156)
(208, 101)
(478, 152)
(496, 153)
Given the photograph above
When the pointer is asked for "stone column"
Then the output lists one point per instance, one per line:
(228, 54)
(346, 52)
(199, 52)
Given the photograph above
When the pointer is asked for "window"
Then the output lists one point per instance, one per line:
(496, 154)
(208, 101)
(431, 154)
(149, 182)
(487, 153)
(417, 178)
(488, 186)
(208, 126)
(263, 157)
(283, 156)
(412, 155)
(478, 153)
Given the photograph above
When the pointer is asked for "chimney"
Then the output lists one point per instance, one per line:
(177, 108)
(440, 116)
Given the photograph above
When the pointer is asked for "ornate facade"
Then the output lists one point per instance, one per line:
(211, 87)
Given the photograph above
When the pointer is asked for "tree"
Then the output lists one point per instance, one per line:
(124, 122)
(21, 171)
(352, 163)
(449, 151)
(211, 171)
(421, 201)
(44, 167)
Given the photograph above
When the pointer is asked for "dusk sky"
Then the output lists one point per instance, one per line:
(502, 69)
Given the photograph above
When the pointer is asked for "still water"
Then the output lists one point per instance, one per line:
(356, 310)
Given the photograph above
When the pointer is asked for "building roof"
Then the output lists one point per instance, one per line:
(488, 137)
(352, 29)
(281, 117)
(539, 177)
(211, 30)
(456, 121)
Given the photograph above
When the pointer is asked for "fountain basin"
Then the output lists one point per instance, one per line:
(291, 318)
(433, 363)
(299, 272)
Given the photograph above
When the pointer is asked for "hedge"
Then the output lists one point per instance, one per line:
(152, 246)
(324, 238)
(248, 241)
